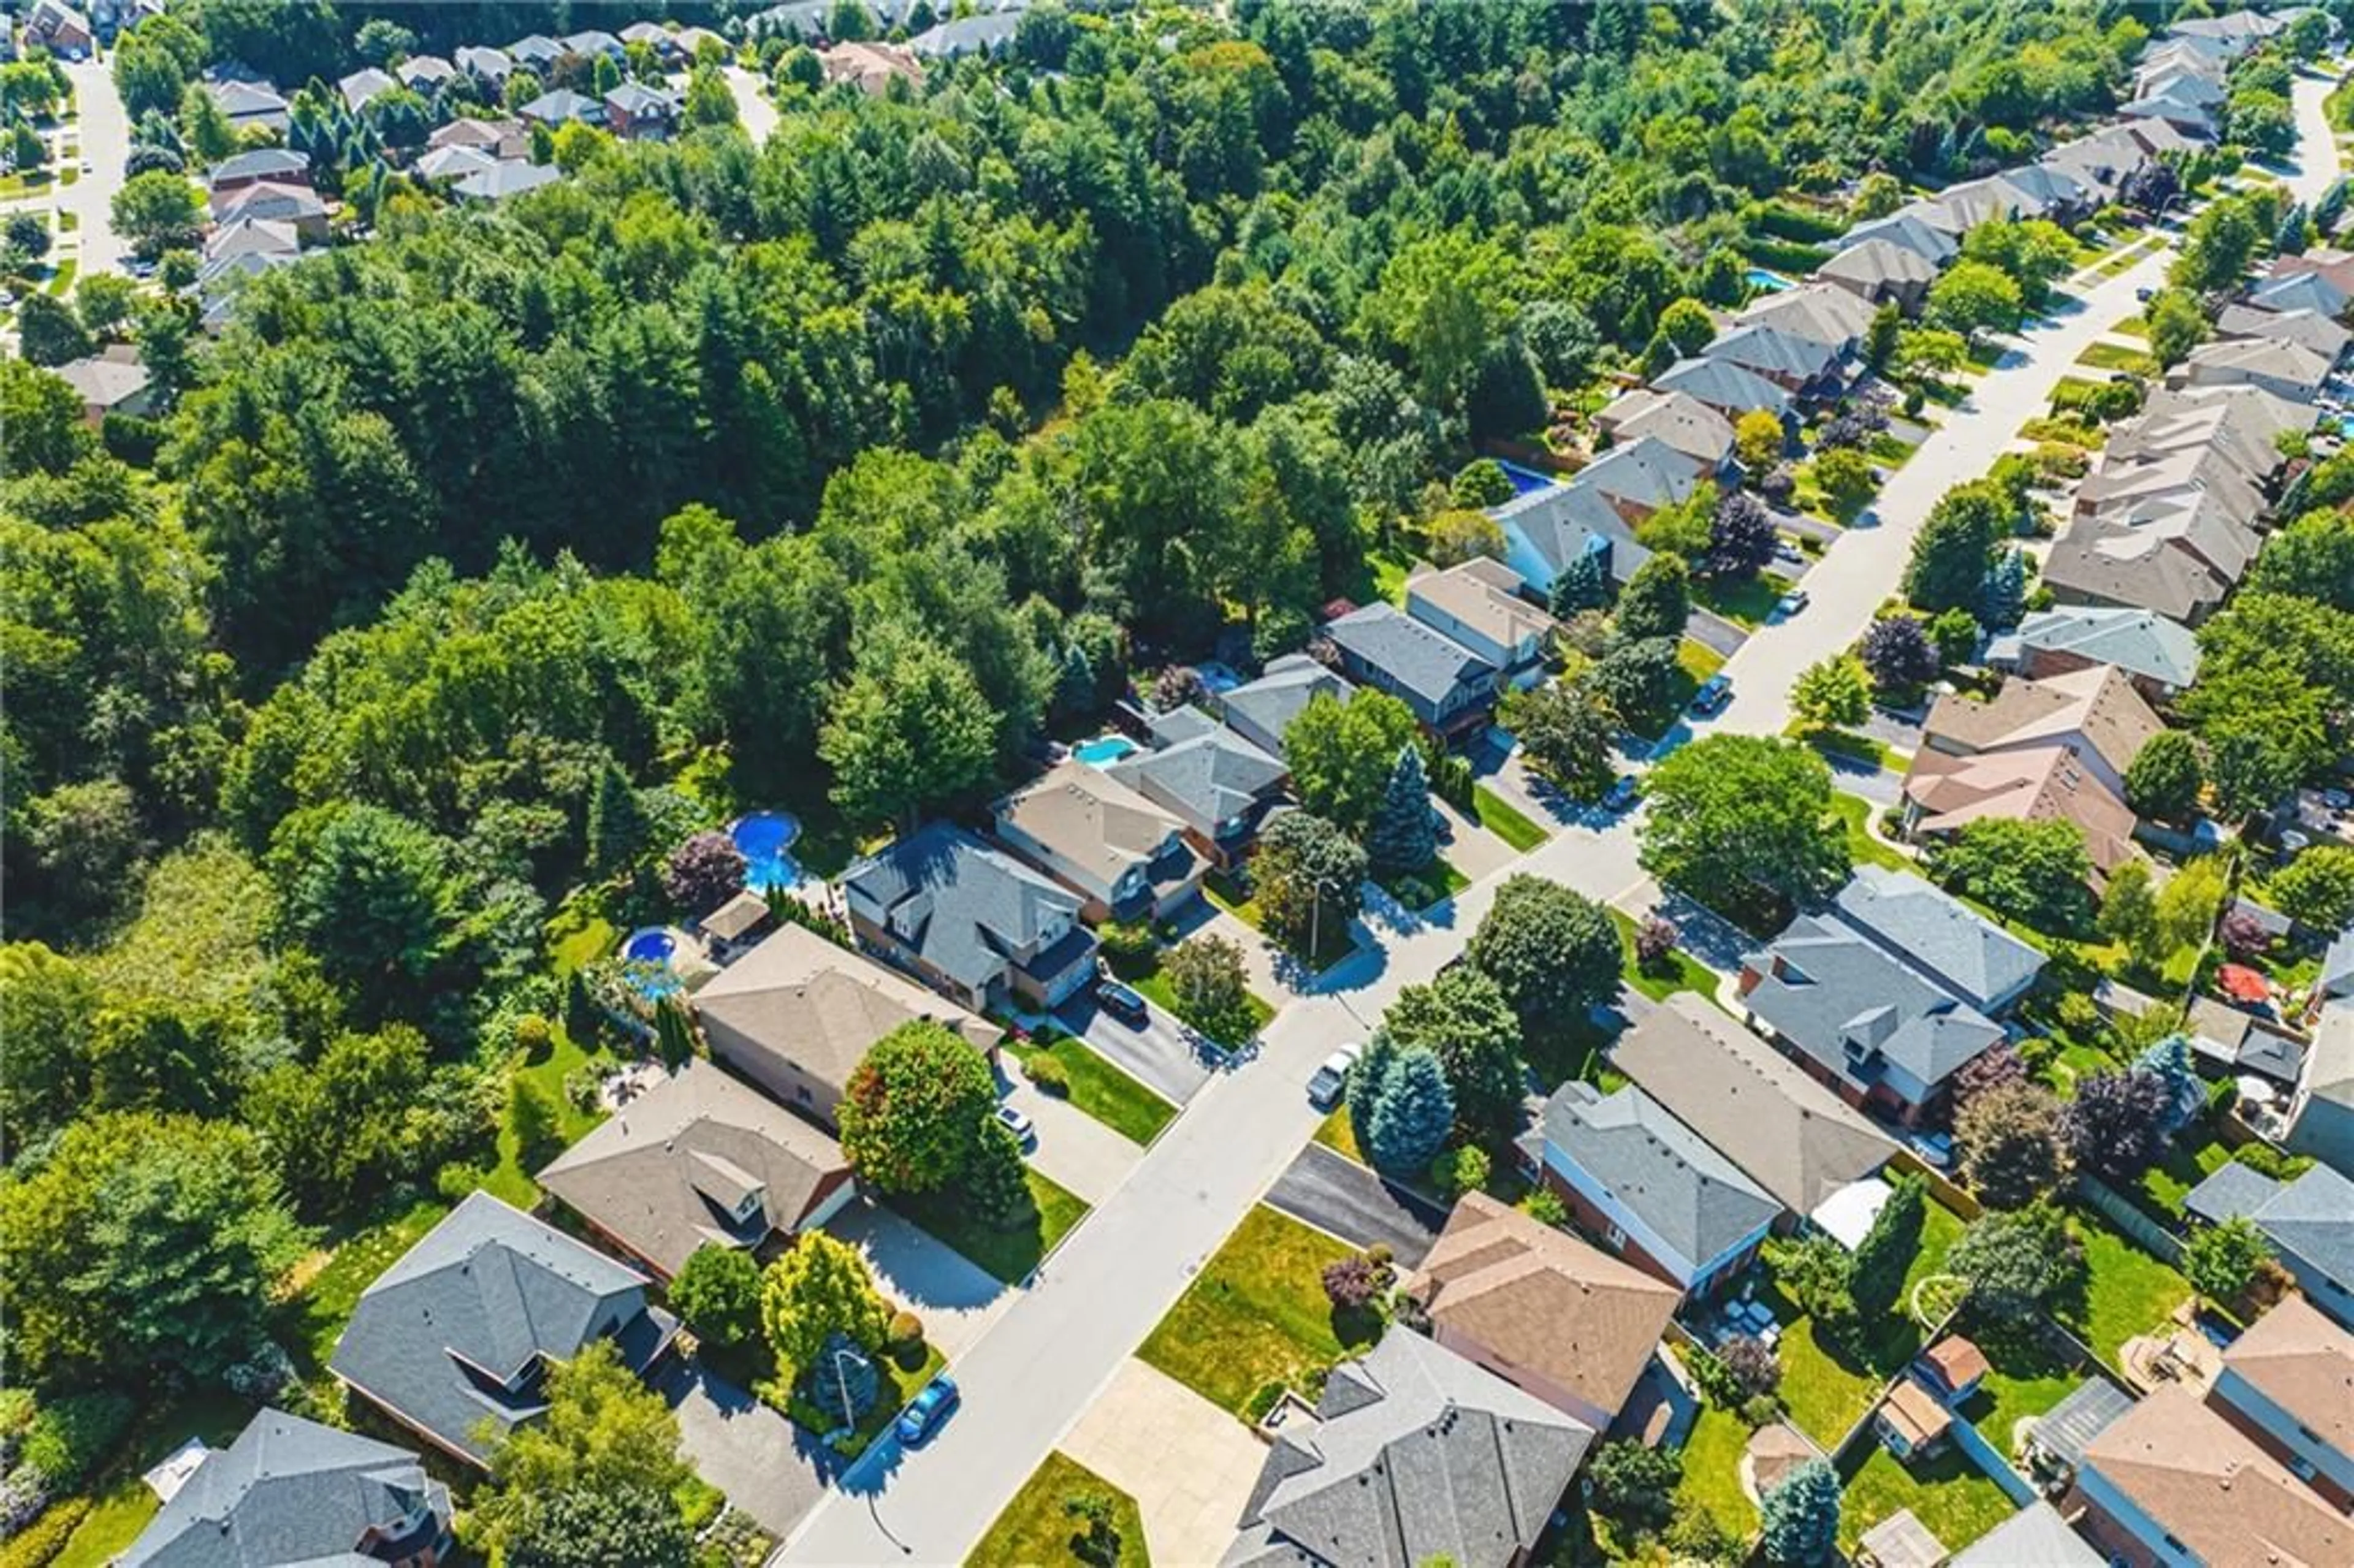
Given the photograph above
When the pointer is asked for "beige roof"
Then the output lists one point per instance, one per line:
(1775, 1450)
(1914, 1412)
(819, 1006)
(739, 914)
(1902, 1541)
(1793, 1137)
(1879, 262)
(2098, 702)
(1090, 819)
(1534, 1296)
(104, 381)
(871, 65)
(2276, 358)
(676, 1166)
(1685, 423)
(2101, 561)
(2211, 1488)
(2304, 1363)
(1484, 595)
(2032, 785)
(1958, 1360)
(1818, 312)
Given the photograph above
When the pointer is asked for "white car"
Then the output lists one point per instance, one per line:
(1324, 1088)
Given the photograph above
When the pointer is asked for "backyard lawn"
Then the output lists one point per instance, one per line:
(1712, 1471)
(1959, 1501)
(1829, 1382)
(2127, 1292)
(2189, 1158)
(1257, 1315)
(1500, 817)
(1102, 1090)
(2027, 1381)
(1010, 1255)
(1035, 1529)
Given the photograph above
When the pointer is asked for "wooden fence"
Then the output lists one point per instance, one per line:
(2128, 1217)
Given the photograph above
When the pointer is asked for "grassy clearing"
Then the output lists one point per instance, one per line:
(1713, 1472)
(1008, 1253)
(2126, 1292)
(1102, 1090)
(1959, 1501)
(1256, 1314)
(1336, 1133)
(1861, 847)
(1829, 1381)
(1035, 1529)
(1502, 818)
(2117, 356)
(2188, 1159)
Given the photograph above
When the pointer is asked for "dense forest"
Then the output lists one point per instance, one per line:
(492, 552)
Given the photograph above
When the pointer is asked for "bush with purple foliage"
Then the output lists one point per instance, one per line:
(1655, 939)
(1358, 1281)
(703, 873)
(2243, 935)
(1741, 538)
(1898, 653)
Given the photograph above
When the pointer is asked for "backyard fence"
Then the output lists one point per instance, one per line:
(2128, 1217)
(1941, 1186)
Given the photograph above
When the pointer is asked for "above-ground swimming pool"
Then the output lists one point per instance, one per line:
(1526, 480)
(1772, 283)
(763, 838)
(649, 950)
(1104, 748)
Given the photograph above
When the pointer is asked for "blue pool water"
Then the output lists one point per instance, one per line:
(1772, 283)
(648, 953)
(764, 837)
(1526, 480)
(650, 948)
(1104, 748)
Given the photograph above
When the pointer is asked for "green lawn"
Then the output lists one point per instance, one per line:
(2117, 356)
(1035, 1532)
(897, 1386)
(1437, 881)
(1959, 1501)
(123, 1505)
(1840, 744)
(2127, 1292)
(1334, 943)
(1102, 1090)
(1713, 1472)
(1861, 847)
(2189, 1158)
(62, 278)
(1156, 987)
(1502, 818)
(1256, 1314)
(2027, 1381)
(1828, 1380)
(1336, 1132)
(1678, 971)
(2131, 326)
(1010, 1255)
(1744, 603)
(1697, 659)
(326, 1300)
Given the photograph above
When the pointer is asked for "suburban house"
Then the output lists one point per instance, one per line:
(797, 1014)
(1212, 780)
(699, 1157)
(1542, 1309)
(1413, 1456)
(486, 64)
(637, 113)
(1638, 477)
(592, 42)
(1882, 1032)
(276, 164)
(115, 381)
(2309, 330)
(2309, 289)
(503, 180)
(227, 248)
(1650, 1187)
(251, 104)
(1817, 314)
(1477, 603)
(2321, 1114)
(497, 137)
(1806, 1148)
(2276, 365)
(1911, 1422)
(2160, 656)
(2093, 713)
(2288, 1384)
(1929, 930)
(1809, 370)
(563, 107)
(454, 1340)
(291, 1490)
(2034, 1537)
(988, 33)
(363, 85)
(1881, 272)
(2309, 1223)
(1261, 710)
(453, 164)
(2097, 563)
(1127, 858)
(1904, 228)
(1448, 687)
(655, 36)
(1545, 530)
(2171, 1482)
(535, 52)
(297, 204)
(1731, 388)
(1945, 793)
(871, 67)
(975, 923)
(1694, 430)
(2231, 1041)
(58, 27)
(424, 74)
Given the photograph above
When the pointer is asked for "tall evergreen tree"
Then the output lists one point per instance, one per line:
(1414, 1113)
(617, 824)
(1582, 585)
(1366, 1081)
(1801, 1518)
(1403, 836)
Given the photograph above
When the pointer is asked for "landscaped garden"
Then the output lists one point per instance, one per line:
(1040, 1524)
(1257, 1315)
(1095, 1086)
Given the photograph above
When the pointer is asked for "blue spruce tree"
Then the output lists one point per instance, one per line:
(1402, 836)
(2002, 601)
(1801, 1518)
(1413, 1114)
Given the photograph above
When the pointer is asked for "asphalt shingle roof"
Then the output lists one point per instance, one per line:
(2312, 1216)
(1208, 778)
(1264, 708)
(1843, 1000)
(1937, 934)
(1564, 522)
(2138, 641)
(1427, 663)
(1693, 1197)
(962, 905)
(1727, 388)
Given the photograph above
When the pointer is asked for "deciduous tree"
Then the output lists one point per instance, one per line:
(1553, 952)
(818, 1289)
(603, 1432)
(2220, 1260)
(1566, 730)
(2015, 1264)
(1308, 876)
(913, 1110)
(2013, 1148)
(1733, 811)
(1656, 601)
(2166, 776)
(2033, 871)
(1833, 693)
(911, 730)
(718, 1293)
(1463, 1018)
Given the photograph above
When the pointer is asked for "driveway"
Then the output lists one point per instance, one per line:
(768, 1468)
(754, 110)
(1473, 849)
(1163, 1055)
(1714, 633)
(1189, 1465)
(1334, 1193)
(1074, 1148)
(955, 1297)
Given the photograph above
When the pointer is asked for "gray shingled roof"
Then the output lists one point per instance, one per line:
(1563, 522)
(1841, 1000)
(2337, 965)
(1427, 663)
(962, 905)
(2138, 641)
(1937, 934)
(1211, 778)
(481, 1301)
(1269, 704)
(261, 163)
(1723, 385)
(1415, 1454)
(1693, 1198)
(2312, 1217)
(2034, 1537)
(1771, 350)
(2083, 1413)
(290, 1491)
(501, 180)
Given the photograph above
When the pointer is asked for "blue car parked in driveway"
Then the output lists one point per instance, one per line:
(925, 1413)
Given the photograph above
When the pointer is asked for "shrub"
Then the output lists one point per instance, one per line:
(1759, 1409)
(1353, 1283)
(1545, 1206)
(1050, 1075)
(1635, 1484)
(1717, 1383)
(69, 1435)
(1455, 1171)
(48, 1537)
(1655, 939)
(1751, 1363)
(904, 1328)
(1127, 946)
(533, 1036)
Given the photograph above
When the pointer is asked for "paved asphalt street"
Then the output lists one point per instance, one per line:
(1038, 1367)
(105, 135)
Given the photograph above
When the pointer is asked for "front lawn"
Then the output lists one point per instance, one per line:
(2117, 356)
(1155, 987)
(894, 1387)
(2126, 1291)
(1840, 745)
(1256, 1314)
(1035, 1529)
(1959, 1501)
(1697, 659)
(1747, 602)
(1861, 847)
(1678, 971)
(1502, 818)
(1010, 1255)
(1713, 1472)
(1333, 942)
(1337, 1133)
(1100, 1089)
(1418, 890)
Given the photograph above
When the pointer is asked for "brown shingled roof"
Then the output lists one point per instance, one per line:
(2304, 1363)
(2213, 1489)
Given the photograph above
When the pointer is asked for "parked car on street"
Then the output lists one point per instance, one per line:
(1121, 1002)
(924, 1414)
(1791, 603)
(1324, 1088)
(1713, 693)
(1014, 1121)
